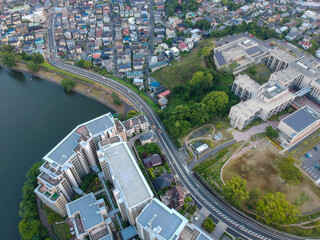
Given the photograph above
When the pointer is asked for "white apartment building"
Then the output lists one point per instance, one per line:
(136, 125)
(72, 159)
(131, 191)
(159, 222)
(89, 218)
(274, 96)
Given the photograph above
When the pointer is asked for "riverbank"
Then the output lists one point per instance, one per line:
(98, 92)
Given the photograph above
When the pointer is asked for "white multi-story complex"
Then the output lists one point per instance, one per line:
(131, 191)
(89, 218)
(73, 158)
(274, 96)
(158, 222)
(242, 52)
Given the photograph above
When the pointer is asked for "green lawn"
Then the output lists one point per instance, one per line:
(262, 73)
(62, 229)
(181, 72)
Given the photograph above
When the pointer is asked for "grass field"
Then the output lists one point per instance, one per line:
(258, 166)
(181, 72)
(63, 231)
(262, 73)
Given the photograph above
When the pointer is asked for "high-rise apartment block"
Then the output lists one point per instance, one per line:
(74, 157)
(131, 191)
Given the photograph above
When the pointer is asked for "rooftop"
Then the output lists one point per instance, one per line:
(66, 148)
(168, 223)
(302, 118)
(132, 183)
(88, 209)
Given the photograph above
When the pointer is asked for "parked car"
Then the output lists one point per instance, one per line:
(316, 148)
(308, 155)
(316, 166)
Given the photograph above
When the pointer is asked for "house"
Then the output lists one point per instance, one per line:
(153, 161)
(138, 81)
(182, 47)
(163, 181)
(163, 102)
(154, 85)
(164, 94)
(176, 195)
(146, 138)
(199, 147)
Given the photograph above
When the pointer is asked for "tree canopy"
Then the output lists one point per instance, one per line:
(33, 67)
(235, 191)
(288, 171)
(275, 208)
(132, 114)
(9, 59)
(37, 58)
(215, 102)
(206, 51)
(68, 84)
(271, 133)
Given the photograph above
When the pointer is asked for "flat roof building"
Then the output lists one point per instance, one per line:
(243, 51)
(298, 125)
(89, 217)
(157, 221)
(131, 191)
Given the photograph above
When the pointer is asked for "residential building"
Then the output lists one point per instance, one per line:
(176, 196)
(70, 160)
(89, 218)
(152, 161)
(131, 191)
(135, 125)
(157, 221)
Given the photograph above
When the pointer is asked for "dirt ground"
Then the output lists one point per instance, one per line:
(258, 167)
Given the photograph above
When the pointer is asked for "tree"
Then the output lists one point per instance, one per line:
(33, 67)
(201, 82)
(25, 56)
(9, 59)
(132, 114)
(254, 194)
(215, 102)
(208, 225)
(235, 191)
(116, 99)
(206, 51)
(28, 229)
(37, 58)
(271, 133)
(68, 84)
(288, 171)
(87, 64)
(203, 24)
(8, 48)
(275, 208)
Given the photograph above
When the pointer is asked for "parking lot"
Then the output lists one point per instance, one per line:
(308, 163)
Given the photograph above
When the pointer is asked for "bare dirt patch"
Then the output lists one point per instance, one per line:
(259, 168)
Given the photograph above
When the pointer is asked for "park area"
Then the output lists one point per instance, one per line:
(260, 168)
(179, 72)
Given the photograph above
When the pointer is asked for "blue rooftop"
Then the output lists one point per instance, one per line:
(87, 207)
(128, 233)
(157, 215)
(155, 84)
(220, 58)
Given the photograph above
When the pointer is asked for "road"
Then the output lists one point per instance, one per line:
(150, 45)
(217, 206)
(114, 47)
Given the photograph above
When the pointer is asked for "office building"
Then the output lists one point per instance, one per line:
(264, 101)
(298, 125)
(131, 191)
(158, 222)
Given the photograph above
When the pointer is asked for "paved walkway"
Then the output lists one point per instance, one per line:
(245, 136)
(44, 220)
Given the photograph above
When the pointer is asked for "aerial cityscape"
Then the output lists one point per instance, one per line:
(160, 119)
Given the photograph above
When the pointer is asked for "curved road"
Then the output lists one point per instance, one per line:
(217, 206)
